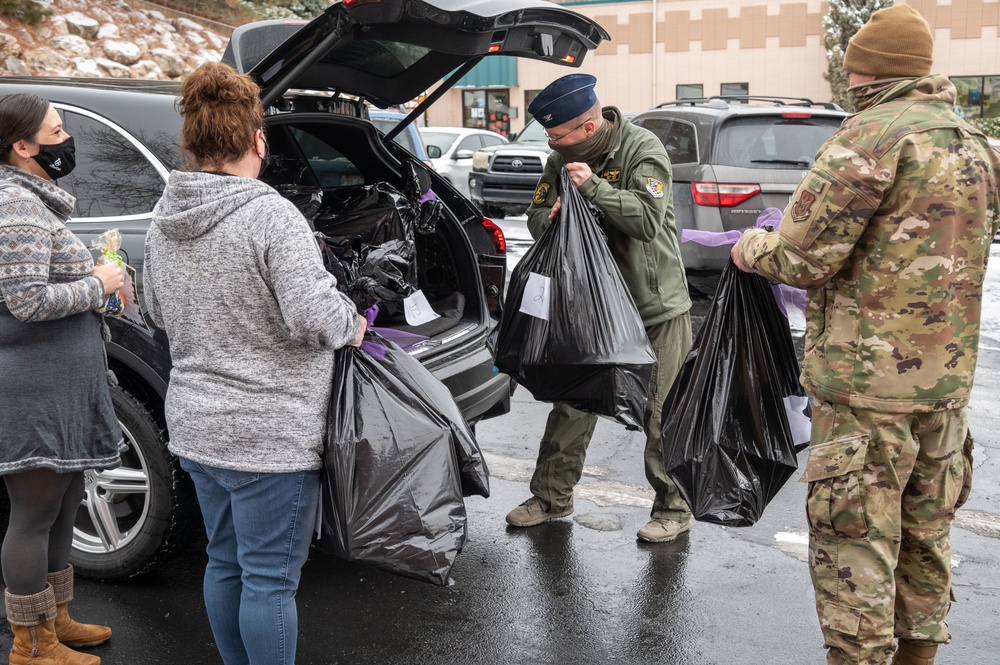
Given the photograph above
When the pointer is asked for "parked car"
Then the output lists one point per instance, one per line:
(733, 156)
(504, 177)
(127, 135)
(451, 149)
(410, 138)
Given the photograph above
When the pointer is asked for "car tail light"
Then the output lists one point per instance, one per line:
(496, 235)
(357, 3)
(797, 115)
(494, 48)
(722, 196)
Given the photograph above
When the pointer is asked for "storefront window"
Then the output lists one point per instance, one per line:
(977, 96)
(688, 90)
(529, 96)
(487, 109)
(729, 89)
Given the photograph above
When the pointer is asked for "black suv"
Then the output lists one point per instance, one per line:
(733, 156)
(383, 52)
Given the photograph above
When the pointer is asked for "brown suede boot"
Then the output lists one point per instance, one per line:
(71, 633)
(32, 619)
(913, 654)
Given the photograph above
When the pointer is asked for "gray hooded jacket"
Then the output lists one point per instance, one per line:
(234, 276)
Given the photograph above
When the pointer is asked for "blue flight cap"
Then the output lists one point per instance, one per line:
(564, 99)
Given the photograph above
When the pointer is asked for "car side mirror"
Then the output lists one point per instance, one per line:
(512, 137)
(463, 154)
(434, 151)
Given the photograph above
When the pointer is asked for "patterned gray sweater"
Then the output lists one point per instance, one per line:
(46, 273)
(234, 276)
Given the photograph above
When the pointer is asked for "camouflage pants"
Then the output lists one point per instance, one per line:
(883, 491)
(563, 448)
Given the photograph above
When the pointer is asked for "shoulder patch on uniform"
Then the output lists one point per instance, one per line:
(802, 207)
(654, 187)
(541, 193)
(612, 175)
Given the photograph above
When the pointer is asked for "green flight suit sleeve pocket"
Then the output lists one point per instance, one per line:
(818, 202)
(835, 505)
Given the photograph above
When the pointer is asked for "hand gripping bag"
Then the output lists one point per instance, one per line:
(398, 459)
(570, 331)
(727, 443)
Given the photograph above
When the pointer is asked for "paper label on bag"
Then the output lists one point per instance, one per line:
(535, 301)
(798, 423)
(417, 310)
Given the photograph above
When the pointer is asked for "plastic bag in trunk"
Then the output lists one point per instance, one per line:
(397, 460)
(726, 437)
(570, 331)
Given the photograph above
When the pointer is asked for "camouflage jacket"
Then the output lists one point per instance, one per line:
(890, 232)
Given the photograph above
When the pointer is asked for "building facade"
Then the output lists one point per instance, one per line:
(662, 50)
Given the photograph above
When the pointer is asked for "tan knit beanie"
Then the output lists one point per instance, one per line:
(896, 41)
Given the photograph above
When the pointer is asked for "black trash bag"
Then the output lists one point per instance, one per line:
(387, 272)
(306, 198)
(392, 481)
(378, 213)
(726, 437)
(341, 257)
(416, 179)
(431, 211)
(290, 177)
(593, 352)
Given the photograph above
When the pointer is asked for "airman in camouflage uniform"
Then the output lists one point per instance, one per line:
(890, 232)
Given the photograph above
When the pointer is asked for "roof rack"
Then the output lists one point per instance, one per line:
(746, 99)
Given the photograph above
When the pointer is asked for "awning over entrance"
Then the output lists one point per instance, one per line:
(495, 71)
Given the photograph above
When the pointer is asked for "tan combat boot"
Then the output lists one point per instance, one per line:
(912, 654)
(69, 632)
(32, 619)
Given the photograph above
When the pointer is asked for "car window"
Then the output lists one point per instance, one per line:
(442, 140)
(772, 141)
(404, 138)
(103, 154)
(470, 143)
(331, 167)
(680, 138)
(490, 140)
(384, 59)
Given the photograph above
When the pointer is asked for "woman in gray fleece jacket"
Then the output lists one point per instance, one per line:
(234, 276)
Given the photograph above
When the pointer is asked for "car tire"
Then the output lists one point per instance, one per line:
(139, 515)
(494, 212)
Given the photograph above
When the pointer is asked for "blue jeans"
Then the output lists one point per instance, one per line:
(259, 529)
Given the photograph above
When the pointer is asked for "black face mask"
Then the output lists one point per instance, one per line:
(57, 159)
(265, 161)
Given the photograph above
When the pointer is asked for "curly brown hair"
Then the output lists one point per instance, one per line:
(221, 111)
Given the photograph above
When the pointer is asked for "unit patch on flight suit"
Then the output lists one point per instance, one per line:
(541, 193)
(654, 187)
(612, 175)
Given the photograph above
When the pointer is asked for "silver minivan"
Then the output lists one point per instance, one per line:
(733, 156)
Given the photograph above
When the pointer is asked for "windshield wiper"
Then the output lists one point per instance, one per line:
(795, 162)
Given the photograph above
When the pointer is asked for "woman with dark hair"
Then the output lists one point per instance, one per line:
(235, 277)
(56, 419)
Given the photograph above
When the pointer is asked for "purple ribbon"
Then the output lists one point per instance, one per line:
(783, 294)
(377, 350)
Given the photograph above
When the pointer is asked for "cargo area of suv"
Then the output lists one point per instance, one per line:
(317, 81)
(734, 156)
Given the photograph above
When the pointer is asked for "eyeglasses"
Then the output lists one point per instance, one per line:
(557, 139)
